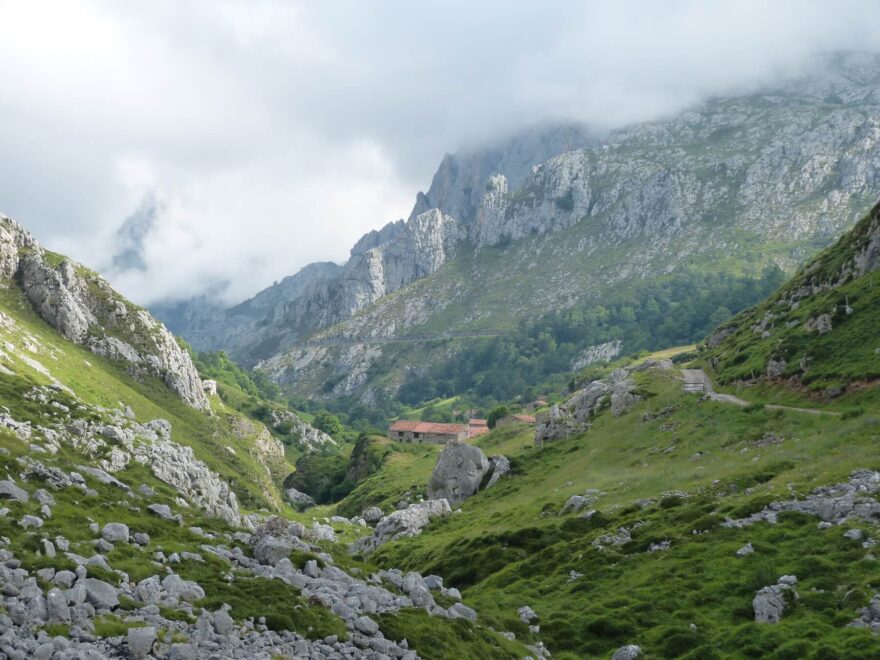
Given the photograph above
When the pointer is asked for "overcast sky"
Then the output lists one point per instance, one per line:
(250, 138)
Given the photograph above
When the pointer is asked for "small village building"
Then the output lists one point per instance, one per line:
(477, 427)
(421, 432)
(515, 419)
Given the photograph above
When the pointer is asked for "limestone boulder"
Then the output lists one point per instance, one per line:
(458, 473)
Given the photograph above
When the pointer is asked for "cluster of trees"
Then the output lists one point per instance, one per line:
(218, 366)
(327, 422)
(678, 309)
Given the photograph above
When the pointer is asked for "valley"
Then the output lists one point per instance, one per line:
(606, 386)
(759, 520)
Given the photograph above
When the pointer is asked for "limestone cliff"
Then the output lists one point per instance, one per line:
(85, 309)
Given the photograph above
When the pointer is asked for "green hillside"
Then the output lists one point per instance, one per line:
(681, 473)
(41, 358)
(820, 333)
(111, 529)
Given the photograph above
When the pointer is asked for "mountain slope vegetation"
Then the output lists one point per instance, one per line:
(819, 331)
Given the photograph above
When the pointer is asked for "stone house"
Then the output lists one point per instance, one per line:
(420, 432)
(477, 427)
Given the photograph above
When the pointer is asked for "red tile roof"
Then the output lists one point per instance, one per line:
(427, 427)
(403, 425)
(479, 422)
(436, 427)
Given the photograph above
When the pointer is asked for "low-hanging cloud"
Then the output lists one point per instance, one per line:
(260, 135)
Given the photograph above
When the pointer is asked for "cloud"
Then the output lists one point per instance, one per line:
(236, 141)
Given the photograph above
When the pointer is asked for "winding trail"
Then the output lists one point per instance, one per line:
(697, 377)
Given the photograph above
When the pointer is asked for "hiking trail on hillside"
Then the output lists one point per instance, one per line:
(699, 377)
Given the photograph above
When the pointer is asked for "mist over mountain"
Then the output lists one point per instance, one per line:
(277, 135)
(556, 219)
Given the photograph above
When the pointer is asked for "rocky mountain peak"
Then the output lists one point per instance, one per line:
(458, 186)
(375, 238)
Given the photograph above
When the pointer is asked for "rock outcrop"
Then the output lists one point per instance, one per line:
(462, 470)
(176, 465)
(298, 499)
(498, 467)
(400, 524)
(85, 309)
(831, 504)
(771, 602)
(121, 440)
(458, 473)
(598, 353)
(628, 652)
(289, 423)
(574, 416)
(869, 617)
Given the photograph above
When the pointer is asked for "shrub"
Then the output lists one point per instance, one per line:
(495, 414)
(327, 422)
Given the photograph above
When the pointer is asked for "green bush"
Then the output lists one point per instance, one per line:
(495, 414)
(327, 422)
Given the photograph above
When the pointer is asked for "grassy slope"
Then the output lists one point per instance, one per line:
(684, 472)
(845, 356)
(509, 548)
(101, 382)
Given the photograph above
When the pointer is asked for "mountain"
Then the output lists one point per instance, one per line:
(209, 325)
(144, 513)
(381, 262)
(83, 307)
(557, 221)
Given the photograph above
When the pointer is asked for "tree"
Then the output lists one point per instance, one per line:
(327, 423)
(719, 316)
(495, 414)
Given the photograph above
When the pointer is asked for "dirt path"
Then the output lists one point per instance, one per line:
(696, 377)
